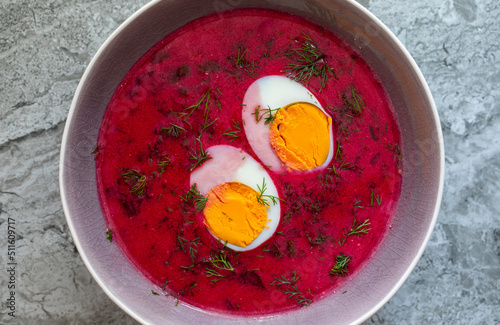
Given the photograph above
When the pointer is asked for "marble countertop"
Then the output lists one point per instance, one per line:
(45, 47)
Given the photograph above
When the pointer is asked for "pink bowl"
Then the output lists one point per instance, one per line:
(423, 159)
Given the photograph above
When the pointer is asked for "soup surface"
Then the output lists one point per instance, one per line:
(184, 100)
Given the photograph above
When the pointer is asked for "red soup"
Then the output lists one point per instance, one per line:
(184, 96)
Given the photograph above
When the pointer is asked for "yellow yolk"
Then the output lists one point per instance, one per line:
(300, 136)
(233, 214)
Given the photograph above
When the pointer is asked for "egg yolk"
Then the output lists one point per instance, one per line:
(233, 214)
(300, 136)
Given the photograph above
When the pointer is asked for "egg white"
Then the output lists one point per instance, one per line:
(274, 92)
(231, 164)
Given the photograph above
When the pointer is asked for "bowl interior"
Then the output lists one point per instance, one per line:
(423, 161)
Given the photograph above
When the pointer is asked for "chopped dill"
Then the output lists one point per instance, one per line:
(109, 234)
(318, 240)
(199, 199)
(164, 162)
(358, 205)
(291, 289)
(311, 62)
(235, 133)
(353, 102)
(188, 246)
(241, 62)
(95, 152)
(262, 198)
(359, 229)
(269, 114)
(206, 124)
(188, 111)
(136, 180)
(187, 268)
(173, 130)
(199, 155)
(340, 268)
(167, 281)
(377, 197)
(394, 148)
(219, 261)
(214, 273)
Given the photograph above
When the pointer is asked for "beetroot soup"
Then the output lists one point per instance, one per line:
(184, 97)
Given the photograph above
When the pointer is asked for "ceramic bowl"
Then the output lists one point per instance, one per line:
(423, 160)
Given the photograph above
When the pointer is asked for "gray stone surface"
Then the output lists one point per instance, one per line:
(44, 49)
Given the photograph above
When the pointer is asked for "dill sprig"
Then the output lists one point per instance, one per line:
(340, 267)
(233, 134)
(173, 130)
(194, 194)
(95, 152)
(311, 62)
(394, 148)
(214, 273)
(199, 155)
(136, 180)
(165, 160)
(326, 179)
(189, 246)
(241, 62)
(353, 102)
(377, 197)
(291, 288)
(262, 198)
(188, 111)
(206, 124)
(188, 289)
(219, 261)
(109, 234)
(357, 204)
(318, 240)
(269, 114)
(359, 229)
(346, 165)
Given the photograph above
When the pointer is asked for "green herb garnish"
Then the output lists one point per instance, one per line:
(269, 114)
(291, 289)
(358, 205)
(262, 198)
(173, 130)
(235, 133)
(199, 155)
(109, 234)
(188, 111)
(359, 229)
(219, 261)
(136, 180)
(394, 148)
(194, 194)
(241, 62)
(206, 123)
(377, 197)
(340, 267)
(95, 152)
(188, 246)
(311, 62)
(353, 102)
(214, 273)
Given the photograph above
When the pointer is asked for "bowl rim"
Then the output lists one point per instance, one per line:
(119, 30)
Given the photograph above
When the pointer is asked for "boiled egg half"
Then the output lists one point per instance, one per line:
(286, 126)
(243, 207)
